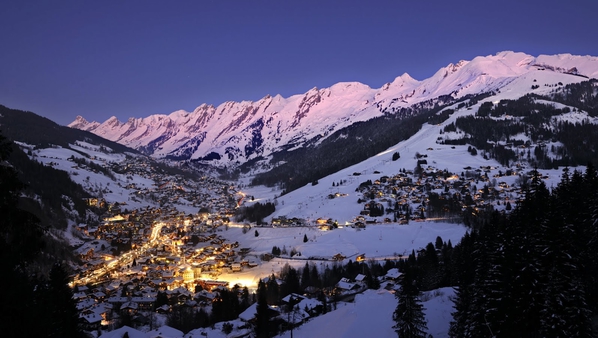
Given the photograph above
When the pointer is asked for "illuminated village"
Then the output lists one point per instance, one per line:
(132, 256)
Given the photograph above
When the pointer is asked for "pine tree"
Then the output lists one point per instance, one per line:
(487, 292)
(262, 315)
(305, 277)
(565, 312)
(61, 306)
(409, 314)
(291, 280)
(273, 291)
(523, 260)
(463, 272)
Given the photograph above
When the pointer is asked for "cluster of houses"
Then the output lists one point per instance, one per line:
(133, 254)
(406, 195)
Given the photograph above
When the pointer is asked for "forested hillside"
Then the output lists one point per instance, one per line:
(530, 273)
(534, 129)
(34, 305)
(39, 131)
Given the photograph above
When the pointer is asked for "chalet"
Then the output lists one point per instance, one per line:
(312, 307)
(344, 285)
(99, 295)
(338, 257)
(129, 307)
(164, 309)
(85, 304)
(90, 321)
(325, 227)
(204, 297)
(251, 312)
(236, 267)
(393, 275)
(360, 278)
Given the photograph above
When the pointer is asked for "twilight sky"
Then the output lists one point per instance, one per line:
(135, 58)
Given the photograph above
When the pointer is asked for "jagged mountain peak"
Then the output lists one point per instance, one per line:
(241, 131)
(79, 123)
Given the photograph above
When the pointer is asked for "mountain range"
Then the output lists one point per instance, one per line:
(409, 148)
(234, 133)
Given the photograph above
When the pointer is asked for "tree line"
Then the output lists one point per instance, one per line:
(530, 273)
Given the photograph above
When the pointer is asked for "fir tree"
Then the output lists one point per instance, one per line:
(61, 306)
(409, 314)
(262, 315)
(305, 277)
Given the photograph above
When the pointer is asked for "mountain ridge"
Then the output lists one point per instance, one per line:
(233, 133)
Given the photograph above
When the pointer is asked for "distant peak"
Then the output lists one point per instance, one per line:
(113, 120)
(80, 118)
(401, 81)
(451, 68)
(79, 122)
(406, 77)
(349, 86)
(202, 107)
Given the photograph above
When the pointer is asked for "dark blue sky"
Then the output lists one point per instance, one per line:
(130, 58)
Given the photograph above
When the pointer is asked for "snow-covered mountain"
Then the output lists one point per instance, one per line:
(235, 132)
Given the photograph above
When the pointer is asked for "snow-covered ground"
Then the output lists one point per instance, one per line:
(311, 202)
(376, 242)
(371, 316)
(113, 190)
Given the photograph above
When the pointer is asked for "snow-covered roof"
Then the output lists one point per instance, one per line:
(344, 285)
(393, 273)
(91, 317)
(249, 313)
(287, 298)
(165, 332)
(360, 278)
(118, 333)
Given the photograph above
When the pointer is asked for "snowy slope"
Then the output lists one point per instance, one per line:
(235, 132)
(311, 202)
